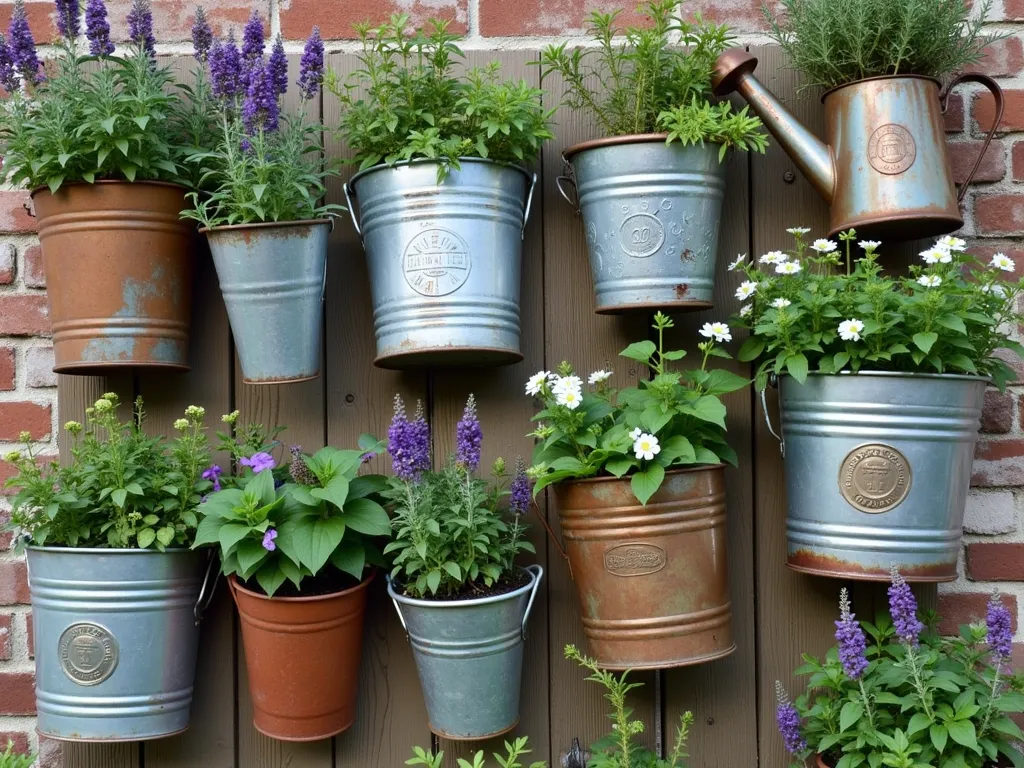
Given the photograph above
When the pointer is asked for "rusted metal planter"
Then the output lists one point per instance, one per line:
(653, 582)
(883, 167)
(116, 638)
(444, 260)
(469, 656)
(877, 468)
(651, 213)
(302, 655)
(118, 263)
(273, 278)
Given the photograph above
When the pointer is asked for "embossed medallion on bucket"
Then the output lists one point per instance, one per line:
(875, 477)
(88, 653)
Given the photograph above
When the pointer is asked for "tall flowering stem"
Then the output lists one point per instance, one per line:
(518, 504)
(8, 74)
(226, 71)
(277, 67)
(999, 635)
(140, 26)
(97, 29)
(853, 649)
(23, 46)
(202, 36)
(788, 721)
(468, 438)
(311, 68)
(67, 19)
(903, 610)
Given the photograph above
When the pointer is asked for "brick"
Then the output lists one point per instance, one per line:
(954, 117)
(6, 636)
(24, 316)
(998, 463)
(1013, 10)
(14, 216)
(997, 413)
(964, 154)
(17, 693)
(957, 608)
(999, 214)
(8, 254)
(40, 19)
(172, 19)
(1004, 58)
(5, 536)
(990, 513)
(13, 582)
(995, 561)
(39, 367)
(336, 20)
(34, 274)
(7, 369)
(30, 631)
(1013, 118)
(18, 738)
(18, 417)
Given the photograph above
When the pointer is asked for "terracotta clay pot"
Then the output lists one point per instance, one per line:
(118, 263)
(652, 580)
(302, 655)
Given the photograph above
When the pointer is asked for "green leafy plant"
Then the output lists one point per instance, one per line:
(835, 42)
(659, 80)
(895, 693)
(829, 308)
(11, 759)
(675, 419)
(122, 489)
(277, 530)
(407, 102)
(514, 750)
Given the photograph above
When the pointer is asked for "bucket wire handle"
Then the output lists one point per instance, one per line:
(202, 604)
(323, 285)
(529, 204)
(768, 421)
(997, 94)
(568, 178)
(352, 209)
(398, 608)
(538, 574)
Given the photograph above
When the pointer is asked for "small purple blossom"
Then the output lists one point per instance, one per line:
(202, 36)
(408, 443)
(213, 475)
(468, 438)
(140, 26)
(226, 70)
(367, 457)
(903, 609)
(67, 18)
(788, 720)
(311, 68)
(1000, 629)
(519, 490)
(8, 76)
(277, 67)
(268, 540)
(260, 110)
(259, 462)
(23, 46)
(853, 645)
(97, 28)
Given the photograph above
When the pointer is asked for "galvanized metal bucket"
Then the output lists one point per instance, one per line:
(469, 655)
(273, 278)
(116, 636)
(877, 467)
(651, 212)
(444, 260)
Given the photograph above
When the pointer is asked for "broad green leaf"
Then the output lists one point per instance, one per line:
(620, 466)
(165, 535)
(146, 537)
(677, 447)
(751, 349)
(290, 570)
(433, 581)
(232, 533)
(639, 350)
(954, 323)
(796, 365)
(350, 558)
(708, 408)
(367, 516)
(850, 714)
(925, 340)
(336, 491)
(208, 531)
(316, 538)
(258, 190)
(963, 733)
(646, 483)
(261, 487)
(918, 722)
(250, 554)
(270, 577)
(939, 735)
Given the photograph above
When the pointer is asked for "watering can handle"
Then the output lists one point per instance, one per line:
(768, 421)
(529, 204)
(205, 599)
(538, 574)
(997, 94)
(352, 209)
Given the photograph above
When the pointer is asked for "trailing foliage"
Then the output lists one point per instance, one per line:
(829, 308)
(122, 489)
(659, 80)
(835, 42)
(673, 420)
(406, 102)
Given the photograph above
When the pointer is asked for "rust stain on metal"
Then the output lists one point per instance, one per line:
(806, 561)
(687, 255)
(681, 290)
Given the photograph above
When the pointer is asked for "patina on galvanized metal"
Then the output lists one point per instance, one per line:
(302, 655)
(883, 167)
(444, 260)
(651, 212)
(653, 581)
(118, 262)
(469, 655)
(878, 466)
(273, 277)
(116, 639)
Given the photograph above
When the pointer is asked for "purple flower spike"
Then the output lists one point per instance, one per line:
(903, 609)
(252, 39)
(259, 462)
(277, 67)
(260, 109)
(1000, 629)
(213, 475)
(226, 70)
(853, 645)
(8, 75)
(97, 28)
(202, 36)
(519, 490)
(788, 720)
(268, 540)
(468, 438)
(311, 70)
(67, 18)
(23, 46)
(140, 26)
(408, 444)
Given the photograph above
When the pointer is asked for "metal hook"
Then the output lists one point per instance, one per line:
(352, 210)
(768, 421)
(538, 574)
(529, 204)
(201, 605)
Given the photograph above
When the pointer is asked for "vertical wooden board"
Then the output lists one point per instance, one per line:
(573, 332)
(723, 694)
(391, 717)
(101, 755)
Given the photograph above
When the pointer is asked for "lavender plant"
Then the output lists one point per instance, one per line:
(908, 698)
(451, 540)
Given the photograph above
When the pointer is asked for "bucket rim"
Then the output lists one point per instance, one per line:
(108, 182)
(427, 161)
(472, 602)
(235, 583)
(265, 225)
(899, 375)
(630, 138)
(720, 467)
(834, 89)
(111, 551)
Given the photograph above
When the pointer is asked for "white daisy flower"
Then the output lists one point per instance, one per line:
(936, 255)
(950, 243)
(646, 447)
(773, 257)
(535, 382)
(995, 290)
(747, 289)
(598, 376)
(930, 281)
(720, 331)
(788, 268)
(746, 309)
(781, 303)
(869, 245)
(570, 398)
(1003, 262)
(850, 330)
(738, 262)
(822, 245)
(798, 231)
(568, 384)
(635, 434)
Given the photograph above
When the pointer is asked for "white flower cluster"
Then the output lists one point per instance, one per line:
(568, 390)
(645, 446)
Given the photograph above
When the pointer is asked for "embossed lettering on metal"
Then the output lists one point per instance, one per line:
(641, 235)
(892, 149)
(436, 262)
(88, 653)
(875, 478)
(634, 559)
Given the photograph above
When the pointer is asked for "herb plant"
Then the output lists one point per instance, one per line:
(829, 308)
(263, 166)
(895, 693)
(675, 419)
(658, 81)
(451, 538)
(835, 42)
(514, 750)
(11, 759)
(407, 102)
(122, 489)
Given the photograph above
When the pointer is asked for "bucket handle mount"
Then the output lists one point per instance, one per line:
(206, 598)
(768, 419)
(352, 209)
(529, 204)
(568, 178)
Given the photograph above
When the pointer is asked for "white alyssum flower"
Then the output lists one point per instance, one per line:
(635, 434)
(788, 268)
(936, 256)
(1003, 262)
(738, 262)
(570, 398)
(746, 309)
(781, 303)
(646, 447)
(720, 331)
(850, 330)
(950, 243)
(747, 289)
(535, 382)
(798, 231)
(598, 376)
(773, 257)
(822, 245)
(869, 245)
(930, 281)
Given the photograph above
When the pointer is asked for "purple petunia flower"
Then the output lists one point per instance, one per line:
(519, 490)
(408, 443)
(213, 475)
(277, 67)
(97, 28)
(259, 462)
(202, 36)
(67, 18)
(23, 46)
(1000, 629)
(903, 609)
(468, 438)
(226, 70)
(140, 26)
(268, 540)
(311, 69)
(788, 720)
(853, 645)
(260, 110)
(8, 75)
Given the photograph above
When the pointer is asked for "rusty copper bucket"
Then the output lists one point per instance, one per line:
(883, 167)
(652, 581)
(118, 267)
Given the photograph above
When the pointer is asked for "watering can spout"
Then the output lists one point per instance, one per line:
(734, 72)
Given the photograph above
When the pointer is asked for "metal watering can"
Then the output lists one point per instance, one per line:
(884, 169)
